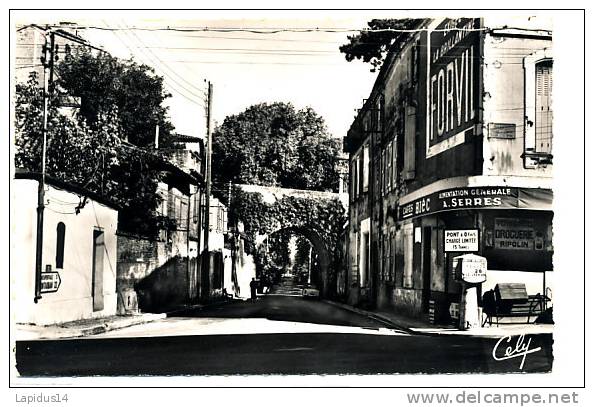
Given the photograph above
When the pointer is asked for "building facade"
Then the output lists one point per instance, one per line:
(78, 278)
(452, 154)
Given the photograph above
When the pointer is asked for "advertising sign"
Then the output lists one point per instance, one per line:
(477, 198)
(452, 82)
(514, 234)
(471, 268)
(466, 240)
(50, 281)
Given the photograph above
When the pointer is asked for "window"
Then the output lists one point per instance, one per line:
(389, 166)
(60, 236)
(407, 278)
(543, 124)
(365, 168)
(364, 260)
(538, 124)
(354, 178)
(196, 207)
(410, 119)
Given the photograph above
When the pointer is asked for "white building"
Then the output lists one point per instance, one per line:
(78, 279)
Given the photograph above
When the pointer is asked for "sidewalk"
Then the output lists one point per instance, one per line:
(82, 328)
(415, 326)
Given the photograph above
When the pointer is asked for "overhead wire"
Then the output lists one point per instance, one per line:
(179, 88)
(169, 69)
(276, 30)
(190, 99)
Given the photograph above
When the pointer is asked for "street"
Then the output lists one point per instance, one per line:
(273, 335)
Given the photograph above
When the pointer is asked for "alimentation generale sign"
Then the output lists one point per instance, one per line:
(478, 198)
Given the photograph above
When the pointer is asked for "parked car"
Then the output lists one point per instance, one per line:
(310, 291)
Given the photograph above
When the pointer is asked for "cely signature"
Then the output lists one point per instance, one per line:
(521, 348)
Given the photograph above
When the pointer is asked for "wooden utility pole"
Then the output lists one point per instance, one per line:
(206, 257)
(48, 63)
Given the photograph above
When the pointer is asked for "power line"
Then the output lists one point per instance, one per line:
(164, 65)
(168, 85)
(167, 76)
(276, 30)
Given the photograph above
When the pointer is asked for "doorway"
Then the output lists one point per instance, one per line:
(426, 264)
(97, 278)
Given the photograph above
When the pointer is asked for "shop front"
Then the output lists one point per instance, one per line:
(511, 227)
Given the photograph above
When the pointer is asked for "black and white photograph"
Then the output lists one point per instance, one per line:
(331, 196)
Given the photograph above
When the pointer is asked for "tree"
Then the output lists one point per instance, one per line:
(105, 83)
(91, 157)
(276, 145)
(372, 46)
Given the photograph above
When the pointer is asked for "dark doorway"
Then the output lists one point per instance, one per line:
(97, 283)
(426, 242)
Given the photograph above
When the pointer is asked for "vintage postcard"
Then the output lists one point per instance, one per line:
(371, 198)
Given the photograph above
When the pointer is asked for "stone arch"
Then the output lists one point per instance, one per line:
(317, 216)
(325, 254)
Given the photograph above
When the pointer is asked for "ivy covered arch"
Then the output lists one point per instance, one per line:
(319, 218)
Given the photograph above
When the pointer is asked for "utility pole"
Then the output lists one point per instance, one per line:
(208, 188)
(48, 64)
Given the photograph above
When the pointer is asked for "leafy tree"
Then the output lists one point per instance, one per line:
(372, 46)
(276, 145)
(91, 157)
(104, 82)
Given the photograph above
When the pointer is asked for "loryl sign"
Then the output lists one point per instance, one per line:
(461, 240)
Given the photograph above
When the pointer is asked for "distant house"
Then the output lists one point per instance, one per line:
(163, 272)
(78, 279)
(30, 42)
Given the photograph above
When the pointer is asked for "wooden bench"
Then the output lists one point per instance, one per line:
(512, 300)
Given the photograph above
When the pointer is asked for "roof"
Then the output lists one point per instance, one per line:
(67, 186)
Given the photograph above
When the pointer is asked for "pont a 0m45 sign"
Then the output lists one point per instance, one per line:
(452, 82)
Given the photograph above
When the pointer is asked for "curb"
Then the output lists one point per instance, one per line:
(57, 332)
(373, 316)
(429, 331)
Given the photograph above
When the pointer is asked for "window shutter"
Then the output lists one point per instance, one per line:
(543, 106)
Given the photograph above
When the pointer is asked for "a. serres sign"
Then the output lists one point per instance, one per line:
(477, 198)
(471, 268)
(50, 281)
(465, 240)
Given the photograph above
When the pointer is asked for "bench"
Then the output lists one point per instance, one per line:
(512, 300)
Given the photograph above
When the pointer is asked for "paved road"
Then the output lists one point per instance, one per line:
(286, 308)
(337, 342)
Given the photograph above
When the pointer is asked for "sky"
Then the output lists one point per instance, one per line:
(244, 68)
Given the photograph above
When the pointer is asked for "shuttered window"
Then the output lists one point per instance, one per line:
(543, 105)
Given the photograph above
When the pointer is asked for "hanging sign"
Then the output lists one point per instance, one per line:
(466, 240)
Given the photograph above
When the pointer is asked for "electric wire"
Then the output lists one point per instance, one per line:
(169, 69)
(184, 92)
(190, 99)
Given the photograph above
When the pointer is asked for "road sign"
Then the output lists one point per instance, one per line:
(50, 281)
(466, 240)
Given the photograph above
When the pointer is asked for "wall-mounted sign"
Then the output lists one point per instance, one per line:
(471, 268)
(478, 198)
(514, 234)
(501, 130)
(50, 281)
(452, 82)
(466, 240)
